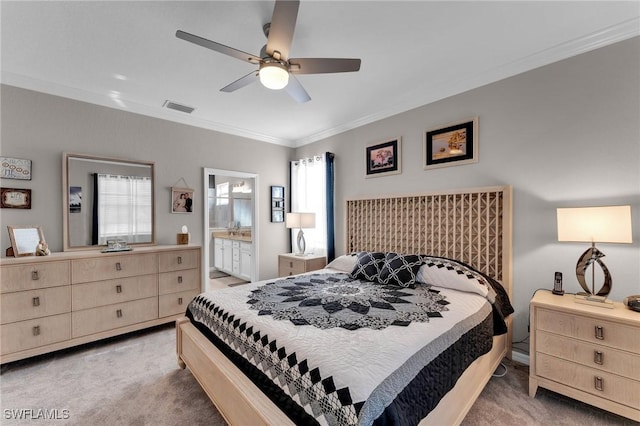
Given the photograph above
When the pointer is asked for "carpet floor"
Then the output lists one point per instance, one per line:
(135, 380)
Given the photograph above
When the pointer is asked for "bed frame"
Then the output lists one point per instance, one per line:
(472, 225)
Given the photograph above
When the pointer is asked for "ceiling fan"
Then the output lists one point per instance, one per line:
(276, 69)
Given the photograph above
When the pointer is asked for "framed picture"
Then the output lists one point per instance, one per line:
(451, 145)
(15, 168)
(25, 239)
(383, 158)
(277, 204)
(181, 200)
(12, 198)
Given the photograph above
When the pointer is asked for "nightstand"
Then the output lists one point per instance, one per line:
(290, 264)
(588, 353)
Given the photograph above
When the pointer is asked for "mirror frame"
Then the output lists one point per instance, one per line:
(66, 156)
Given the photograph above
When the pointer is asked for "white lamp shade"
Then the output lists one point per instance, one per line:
(300, 220)
(274, 76)
(607, 224)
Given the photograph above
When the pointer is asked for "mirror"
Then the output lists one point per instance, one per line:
(106, 199)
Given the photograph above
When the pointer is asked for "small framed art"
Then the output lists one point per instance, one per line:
(15, 168)
(25, 239)
(383, 158)
(451, 145)
(277, 204)
(181, 200)
(12, 198)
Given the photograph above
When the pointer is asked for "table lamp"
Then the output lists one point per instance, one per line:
(300, 220)
(606, 224)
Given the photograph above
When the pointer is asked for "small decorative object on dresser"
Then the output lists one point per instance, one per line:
(607, 224)
(25, 239)
(632, 302)
(586, 353)
(291, 264)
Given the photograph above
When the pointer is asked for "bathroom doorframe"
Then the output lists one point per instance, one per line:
(254, 222)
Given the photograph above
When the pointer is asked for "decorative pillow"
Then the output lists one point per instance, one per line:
(344, 263)
(368, 266)
(400, 269)
(448, 273)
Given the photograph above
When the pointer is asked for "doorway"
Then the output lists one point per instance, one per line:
(230, 224)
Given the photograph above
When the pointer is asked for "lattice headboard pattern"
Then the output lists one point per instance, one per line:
(473, 226)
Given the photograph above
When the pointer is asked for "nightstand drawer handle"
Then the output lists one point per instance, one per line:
(35, 276)
(179, 260)
(36, 330)
(598, 383)
(36, 301)
(119, 313)
(179, 279)
(118, 266)
(290, 264)
(118, 288)
(179, 300)
(599, 332)
(598, 357)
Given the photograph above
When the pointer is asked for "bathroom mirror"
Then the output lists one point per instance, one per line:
(106, 199)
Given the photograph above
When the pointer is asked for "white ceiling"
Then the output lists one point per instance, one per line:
(125, 55)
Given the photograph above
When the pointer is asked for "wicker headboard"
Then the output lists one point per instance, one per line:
(472, 225)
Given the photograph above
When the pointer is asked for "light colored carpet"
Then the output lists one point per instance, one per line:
(135, 380)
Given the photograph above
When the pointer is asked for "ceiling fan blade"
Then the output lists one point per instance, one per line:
(241, 82)
(283, 24)
(323, 65)
(296, 91)
(221, 48)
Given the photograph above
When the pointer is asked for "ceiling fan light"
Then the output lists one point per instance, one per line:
(274, 76)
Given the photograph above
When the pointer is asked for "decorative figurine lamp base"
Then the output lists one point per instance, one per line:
(607, 224)
(300, 220)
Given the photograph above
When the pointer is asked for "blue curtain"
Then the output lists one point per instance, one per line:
(330, 170)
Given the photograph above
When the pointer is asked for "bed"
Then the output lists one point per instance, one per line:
(468, 232)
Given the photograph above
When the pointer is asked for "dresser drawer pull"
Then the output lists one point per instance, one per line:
(598, 357)
(35, 276)
(36, 301)
(179, 260)
(118, 288)
(598, 383)
(118, 266)
(599, 332)
(179, 300)
(290, 264)
(36, 330)
(179, 279)
(119, 313)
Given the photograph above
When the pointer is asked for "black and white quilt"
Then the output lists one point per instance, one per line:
(331, 349)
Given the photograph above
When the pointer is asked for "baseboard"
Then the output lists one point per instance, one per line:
(520, 357)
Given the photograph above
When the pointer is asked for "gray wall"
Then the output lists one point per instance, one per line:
(567, 134)
(41, 127)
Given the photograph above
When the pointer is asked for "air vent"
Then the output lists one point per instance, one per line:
(178, 107)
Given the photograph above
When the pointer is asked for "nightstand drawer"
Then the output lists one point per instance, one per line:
(588, 354)
(25, 305)
(287, 266)
(610, 386)
(592, 330)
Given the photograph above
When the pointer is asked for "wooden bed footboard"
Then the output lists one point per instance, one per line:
(240, 402)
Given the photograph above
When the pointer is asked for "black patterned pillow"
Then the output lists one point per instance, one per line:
(368, 266)
(400, 269)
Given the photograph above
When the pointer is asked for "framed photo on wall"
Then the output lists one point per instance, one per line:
(15, 168)
(181, 200)
(13, 198)
(451, 145)
(383, 158)
(277, 204)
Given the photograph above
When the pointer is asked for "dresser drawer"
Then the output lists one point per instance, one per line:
(178, 260)
(19, 336)
(588, 329)
(175, 303)
(109, 317)
(35, 275)
(23, 305)
(101, 293)
(170, 282)
(591, 355)
(110, 267)
(605, 385)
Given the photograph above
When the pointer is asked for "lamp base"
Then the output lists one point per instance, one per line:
(590, 299)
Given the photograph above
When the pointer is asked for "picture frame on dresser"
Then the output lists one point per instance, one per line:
(25, 239)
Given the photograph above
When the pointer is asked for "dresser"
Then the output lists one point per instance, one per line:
(291, 264)
(66, 299)
(588, 353)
